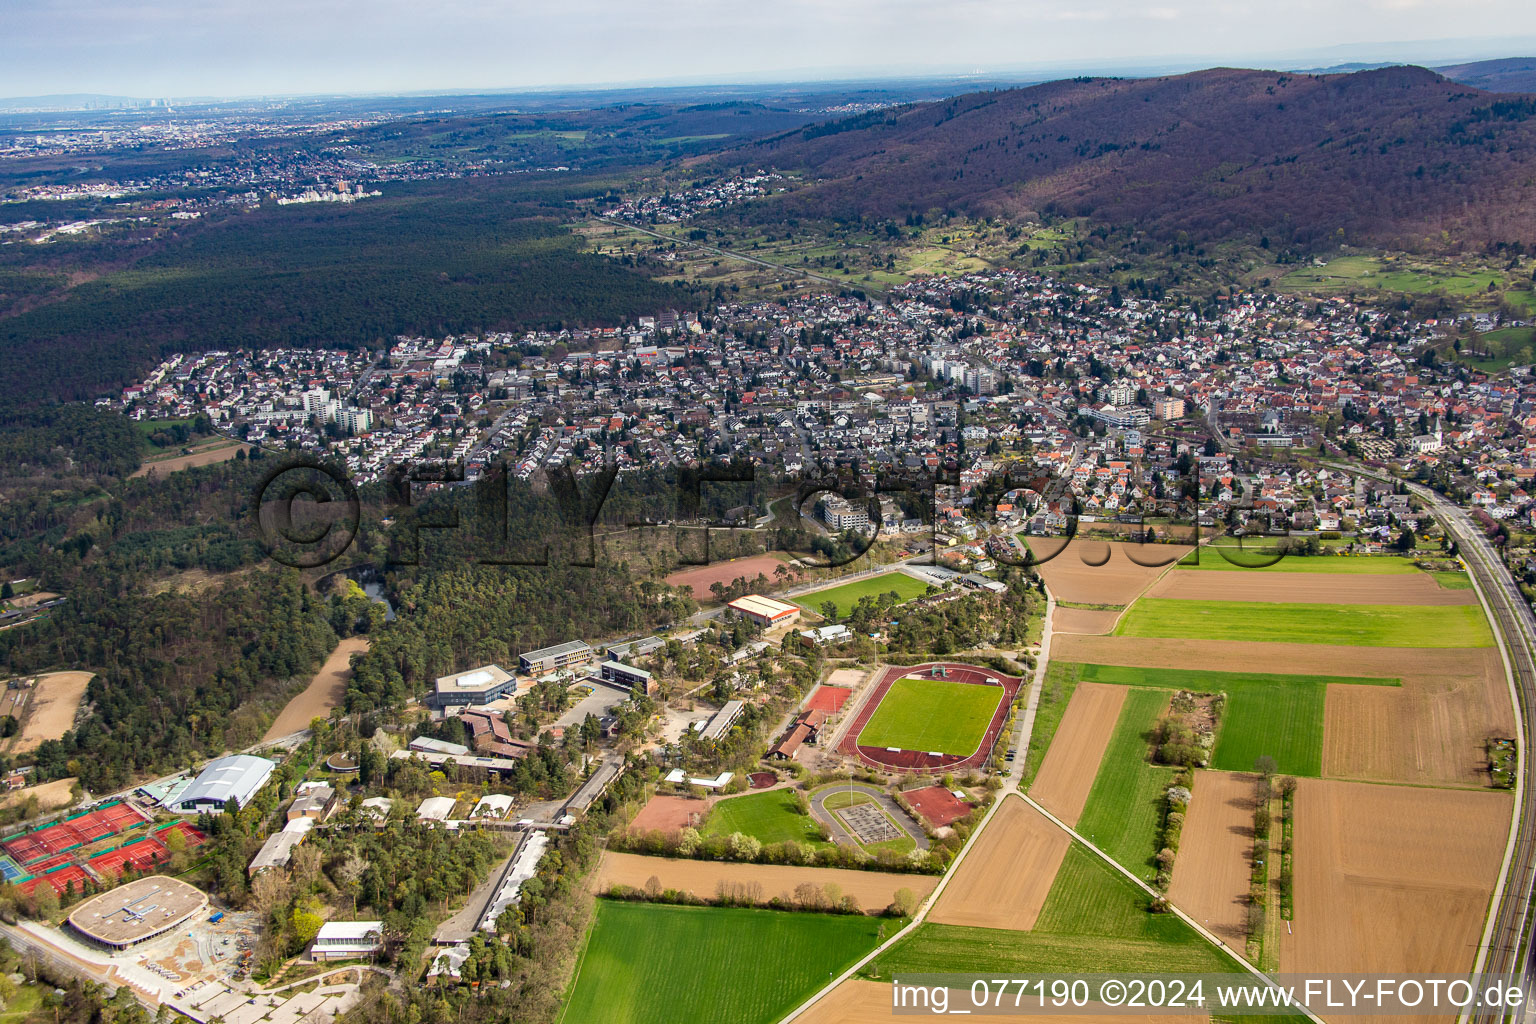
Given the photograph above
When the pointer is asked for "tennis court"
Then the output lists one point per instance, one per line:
(12, 871)
(73, 833)
(59, 880)
(193, 837)
(139, 854)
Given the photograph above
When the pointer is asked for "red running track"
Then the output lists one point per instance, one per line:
(917, 761)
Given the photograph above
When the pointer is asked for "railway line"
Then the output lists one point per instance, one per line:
(1507, 948)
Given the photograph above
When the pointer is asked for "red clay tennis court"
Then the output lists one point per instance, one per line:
(829, 699)
(59, 880)
(937, 805)
(145, 853)
(81, 830)
(193, 837)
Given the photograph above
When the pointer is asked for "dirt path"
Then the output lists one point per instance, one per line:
(1210, 876)
(1004, 881)
(875, 890)
(48, 711)
(324, 692)
(1308, 588)
(1066, 775)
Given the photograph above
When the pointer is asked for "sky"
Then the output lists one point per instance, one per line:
(183, 48)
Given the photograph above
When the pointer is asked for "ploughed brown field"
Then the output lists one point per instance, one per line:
(1391, 878)
(325, 691)
(860, 1002)
(49, 709)
(1210, 876)
(1117, 581)
(1083, 620)
(1005, 878)
(670, 813)
(698, 579)
(875, 890)
(1308, 588)
(1067, 772)
(1429, 731)
(203, 456)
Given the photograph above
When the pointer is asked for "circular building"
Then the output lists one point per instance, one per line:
(138, 911)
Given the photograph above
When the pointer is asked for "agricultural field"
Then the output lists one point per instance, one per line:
(846, 596)
(1061, 678)
(1211, 874)
(697, 579)
(656, 964)
(1094, 920)
(1312, 588)
(1102, 573)
(1428, 731)
(772, 817)
(1077, 749)
(875, 890)
(1125, 805)
(1358, 625)
(1281, 716)
(932, 715)
(1251, 560)
(1007, 875)
(1363, 274)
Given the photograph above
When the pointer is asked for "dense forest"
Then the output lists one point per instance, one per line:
(429, 258)
(1392, 156)
(177, 674)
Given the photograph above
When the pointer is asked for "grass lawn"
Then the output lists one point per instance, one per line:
(932, 715)
(772, 817)
(1379, 565)
(1093, 921)
(1365, 625)
(1453, 580)
(1281, 716)
(1125, 805)
(653, 964)
(847, 595)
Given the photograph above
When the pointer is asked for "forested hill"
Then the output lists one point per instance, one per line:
(1508, 74)
(1395, 156)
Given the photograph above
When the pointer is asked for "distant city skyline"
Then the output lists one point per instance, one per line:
(179, 48)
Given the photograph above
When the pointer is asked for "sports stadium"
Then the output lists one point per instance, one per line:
(941, 716)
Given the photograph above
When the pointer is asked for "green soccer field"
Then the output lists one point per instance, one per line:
(649, 963)
(1364, 625)
(846, 596)
(932, 715)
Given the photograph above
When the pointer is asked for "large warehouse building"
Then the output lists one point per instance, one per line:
(137, 911)
(765, 611)
(237, 777)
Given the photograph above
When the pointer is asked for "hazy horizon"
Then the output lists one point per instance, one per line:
(223, 49)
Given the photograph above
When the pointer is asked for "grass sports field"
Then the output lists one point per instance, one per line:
(772, 817)
(847, 595)
(1363, 625)
(1281, 716)
(932, 715)
(1094, 920)
(1379, 565)
(1125, 805)
(648, 963)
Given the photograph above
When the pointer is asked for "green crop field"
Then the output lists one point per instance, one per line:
(1094, 920)
(932, 715)
(1125, 805)
(1281, 716)
(1365, 625)
(1056, 691)
(648, 963)
(772, 817)
(1376, 565)
(1453, 580)
(847, 595)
